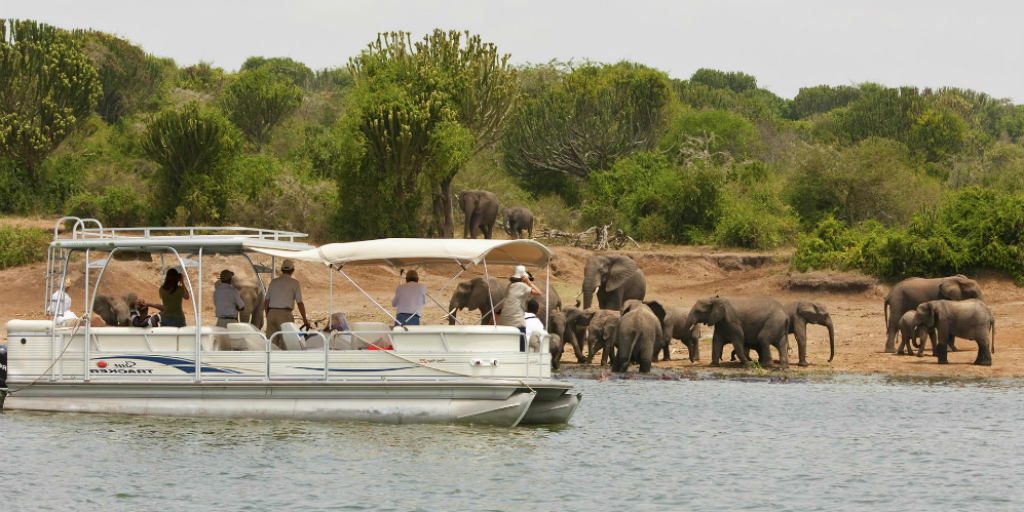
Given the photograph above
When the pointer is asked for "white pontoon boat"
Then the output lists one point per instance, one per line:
(430, 374)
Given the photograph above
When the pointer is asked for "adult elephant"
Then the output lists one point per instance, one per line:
(676, 327)
(758, 323)
(480, 210)
(639, 335)
(252, 295)
(114, 311)
(910, 293)
(616, 278)
(486, 296)
(517, 219)
(969, 319)
(800, 314)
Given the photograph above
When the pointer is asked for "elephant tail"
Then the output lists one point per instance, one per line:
(992, 340)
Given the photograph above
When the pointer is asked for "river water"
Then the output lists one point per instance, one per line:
(633, 445)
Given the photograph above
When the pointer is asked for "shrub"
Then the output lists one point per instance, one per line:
(117, 206)
(723, 135)
(21, 246)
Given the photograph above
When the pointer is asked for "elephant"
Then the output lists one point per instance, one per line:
(913, 334)
(676, 327)
(480, 209)
(638, 335)
(115, 311)
(601, 331)
(616, 278)
(517, 219)
(802, 313)
(473, 295)
(252, 295)
(969, 319)
(758, 323)
(556, 328)
(574, 331)
(909, 293)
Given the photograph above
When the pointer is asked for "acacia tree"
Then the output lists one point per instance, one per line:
(258, 101)
(47, 88)
(472, 80)
(593, 117)
(194, 148)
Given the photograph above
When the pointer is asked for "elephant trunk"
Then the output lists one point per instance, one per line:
(831, 340)
(589, 287)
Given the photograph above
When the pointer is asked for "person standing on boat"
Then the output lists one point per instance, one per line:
(172, 293)
(227, 300)
(513, 308)
(410, 297)
(283, 293)
(60, 305)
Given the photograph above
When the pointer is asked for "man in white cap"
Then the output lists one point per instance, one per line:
(227, 300)
(283, 293)
(513, 308)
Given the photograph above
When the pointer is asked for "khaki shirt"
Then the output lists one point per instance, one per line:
(513, 309)
(283, 292)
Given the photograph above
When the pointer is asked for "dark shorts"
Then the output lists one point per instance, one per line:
(407, 319)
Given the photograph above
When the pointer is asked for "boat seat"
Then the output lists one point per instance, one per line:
(241, 336)
(456, 338)
(365, 334)
(290, 337)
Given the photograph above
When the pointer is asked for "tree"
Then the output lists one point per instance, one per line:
(880, 112)
(459, 70)
(820, 99)
(938, 134)
(284, 67)
(735, 81)
(724, 135)
(129, 76)
(596, 115)
(258, 101)
(194, 148)
(47, 88)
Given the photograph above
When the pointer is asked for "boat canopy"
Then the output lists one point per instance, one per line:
(223, 240)
(408, 252)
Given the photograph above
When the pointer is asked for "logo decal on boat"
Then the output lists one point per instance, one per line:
(129, 364)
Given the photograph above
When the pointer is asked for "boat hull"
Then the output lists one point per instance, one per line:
(498, 404)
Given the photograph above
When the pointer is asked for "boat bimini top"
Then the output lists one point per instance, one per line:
(412, 252)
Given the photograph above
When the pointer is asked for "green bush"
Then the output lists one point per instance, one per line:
(117, 206)
(21, 246)
(723, 135)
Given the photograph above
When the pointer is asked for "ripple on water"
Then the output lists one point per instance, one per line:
(643, 445)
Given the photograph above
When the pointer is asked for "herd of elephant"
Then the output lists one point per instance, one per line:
(626, 329)
(480, 212)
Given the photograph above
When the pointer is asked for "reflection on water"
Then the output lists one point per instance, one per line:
(633, 445)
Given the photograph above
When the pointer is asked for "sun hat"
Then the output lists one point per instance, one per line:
(520, 271)
(287, 265)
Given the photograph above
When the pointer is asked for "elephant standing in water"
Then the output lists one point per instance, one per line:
(909, 293)
(675, 326)
(616, 278)
(969, 319)
(757, 323)
(802, 313)
(516, 220)
(473, 295)
(480, 210)
(638, 336)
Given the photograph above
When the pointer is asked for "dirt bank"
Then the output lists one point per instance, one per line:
(676, 276)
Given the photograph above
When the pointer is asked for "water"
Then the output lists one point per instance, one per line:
(633, 445)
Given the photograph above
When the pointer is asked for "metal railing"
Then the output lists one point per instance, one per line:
(80, 363)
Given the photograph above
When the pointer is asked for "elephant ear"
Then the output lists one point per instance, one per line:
(621, 269)
(806, 308)
(950, 289)
(657, 309)
(717, 313)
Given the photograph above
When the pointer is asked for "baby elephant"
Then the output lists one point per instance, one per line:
(516, 220)
(913, 335)
(638, 335)
(969, 319)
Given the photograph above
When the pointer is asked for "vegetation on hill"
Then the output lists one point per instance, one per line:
(893, 181)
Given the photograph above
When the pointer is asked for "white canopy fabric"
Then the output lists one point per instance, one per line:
(407, 252)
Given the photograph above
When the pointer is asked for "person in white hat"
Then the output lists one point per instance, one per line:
(513, 308)
(283, 294)
(227, 300)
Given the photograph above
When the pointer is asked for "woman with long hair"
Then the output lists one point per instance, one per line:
(172, 293)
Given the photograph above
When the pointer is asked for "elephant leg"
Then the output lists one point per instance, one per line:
(800, 333)
(716, 349)
(931, 337)
(694, 349)
(666, 350)
(890, 331)
(984, 351)
(645, 364)
(784, 352)
(952, 345)
(576, 349)
(764, 355)
(941, 348)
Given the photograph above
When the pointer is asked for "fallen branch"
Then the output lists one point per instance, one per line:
(595, 238)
